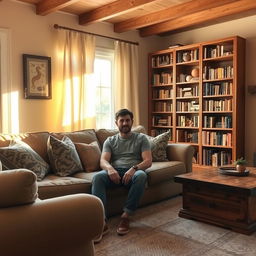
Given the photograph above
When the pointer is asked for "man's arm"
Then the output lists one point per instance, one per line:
(105, 165)
(146, 160)
(146, 163)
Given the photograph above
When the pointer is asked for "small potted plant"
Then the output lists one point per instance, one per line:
(240, 164)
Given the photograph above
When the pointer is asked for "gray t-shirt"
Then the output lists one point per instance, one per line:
(126, 152)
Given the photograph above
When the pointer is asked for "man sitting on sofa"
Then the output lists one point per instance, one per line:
(125, 157)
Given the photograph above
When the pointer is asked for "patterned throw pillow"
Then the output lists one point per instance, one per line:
(63, 156)
(89, 155)
(20, 155)
(158, 146)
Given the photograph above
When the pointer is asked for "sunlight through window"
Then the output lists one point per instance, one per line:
(103, 73)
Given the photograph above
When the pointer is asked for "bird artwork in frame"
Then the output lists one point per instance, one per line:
(37, 76)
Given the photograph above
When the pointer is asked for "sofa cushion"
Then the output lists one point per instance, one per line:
(54, 186)
(17, 187)
(20, 155)
(158, 146)
(163, 171)
(103, 134)
(63, 156)
(89, 155)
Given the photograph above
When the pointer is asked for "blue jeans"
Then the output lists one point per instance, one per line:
(136, 186)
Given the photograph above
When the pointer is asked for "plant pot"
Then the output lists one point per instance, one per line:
(240, 168)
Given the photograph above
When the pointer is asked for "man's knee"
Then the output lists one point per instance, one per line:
(101, 176)
(141, 176)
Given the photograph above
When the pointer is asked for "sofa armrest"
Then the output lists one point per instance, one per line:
(17, 187)
(181, 152)
(59, 226)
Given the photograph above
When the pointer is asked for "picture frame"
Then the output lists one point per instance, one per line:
(37, 77)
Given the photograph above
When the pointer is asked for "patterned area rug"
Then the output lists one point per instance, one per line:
(156, 230)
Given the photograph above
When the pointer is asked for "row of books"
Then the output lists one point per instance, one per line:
(163, 106)
(156, 132)
(216, 138)
(187, 106)
(187, 136)
(216, 157)
(188, 121)
(217, 105)
(224, 88)
(162, 121)
(162, 60)
(210, 73)
(162, 93)
(162, 78)
(185, 56)
(217, 51)
(187, 91)
(217, 121)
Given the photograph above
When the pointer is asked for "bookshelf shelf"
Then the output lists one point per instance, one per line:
(217, 80)
(221, 58)
(161, 85)
(203, 102)
(216, 146)
(157, 99)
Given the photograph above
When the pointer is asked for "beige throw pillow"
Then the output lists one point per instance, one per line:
(89, 155)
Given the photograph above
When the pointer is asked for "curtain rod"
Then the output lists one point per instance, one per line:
(56, 26)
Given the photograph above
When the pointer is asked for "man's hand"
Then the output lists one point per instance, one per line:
(114, 176)
(128, 176)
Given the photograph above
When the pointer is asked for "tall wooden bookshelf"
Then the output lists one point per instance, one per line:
(197, 92)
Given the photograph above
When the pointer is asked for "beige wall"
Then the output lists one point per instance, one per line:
(244, 27)
(33, 34)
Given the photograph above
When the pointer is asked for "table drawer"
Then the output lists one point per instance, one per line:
(218, 207)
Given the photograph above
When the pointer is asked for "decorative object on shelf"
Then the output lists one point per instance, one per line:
(37, 77)
(174, 46)
(188, 78)
(186, 57)
(195, 72)
(231, 170)
(240, 164)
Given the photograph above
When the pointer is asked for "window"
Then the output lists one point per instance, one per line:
(103, 77)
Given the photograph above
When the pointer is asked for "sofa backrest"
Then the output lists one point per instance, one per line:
(38, 140)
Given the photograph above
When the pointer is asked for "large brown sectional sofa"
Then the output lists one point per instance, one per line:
(160, 183)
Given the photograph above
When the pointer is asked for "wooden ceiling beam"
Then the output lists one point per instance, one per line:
(45, 7)
(199, 17)
(164, 15)
(111, 10)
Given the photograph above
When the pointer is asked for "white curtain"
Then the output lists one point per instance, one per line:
(126, 78)
(77, 52)
(9, 98)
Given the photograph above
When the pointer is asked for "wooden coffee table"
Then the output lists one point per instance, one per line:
(223, 200)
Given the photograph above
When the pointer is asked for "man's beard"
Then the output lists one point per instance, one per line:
(125, 129)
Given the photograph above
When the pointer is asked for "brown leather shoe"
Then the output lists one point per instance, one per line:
(104, 232)
(123, 227)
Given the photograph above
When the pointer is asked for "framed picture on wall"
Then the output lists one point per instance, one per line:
(37, 77)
